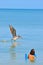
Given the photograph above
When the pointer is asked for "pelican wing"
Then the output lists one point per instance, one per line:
(13, 31)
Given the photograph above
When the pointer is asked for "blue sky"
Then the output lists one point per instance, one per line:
(22, 4)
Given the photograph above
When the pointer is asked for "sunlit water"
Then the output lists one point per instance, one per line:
(28, 24)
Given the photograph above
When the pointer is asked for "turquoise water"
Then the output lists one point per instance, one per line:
(28, 24)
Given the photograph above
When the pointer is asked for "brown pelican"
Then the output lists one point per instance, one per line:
(13, 32)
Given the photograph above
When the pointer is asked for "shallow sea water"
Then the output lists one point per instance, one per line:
(28, 24)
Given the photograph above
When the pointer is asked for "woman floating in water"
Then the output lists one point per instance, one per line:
(31, 55)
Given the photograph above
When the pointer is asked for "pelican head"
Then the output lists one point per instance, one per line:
(19, 36)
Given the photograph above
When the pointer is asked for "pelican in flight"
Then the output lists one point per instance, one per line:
(13, 32)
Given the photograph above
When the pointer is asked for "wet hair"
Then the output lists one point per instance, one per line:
(32, 52)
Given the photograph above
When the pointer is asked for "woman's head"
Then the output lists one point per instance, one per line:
(32, 52)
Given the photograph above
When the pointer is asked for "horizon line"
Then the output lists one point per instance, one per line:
(19, 9)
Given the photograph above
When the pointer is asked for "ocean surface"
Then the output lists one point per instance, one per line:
(29, 24)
